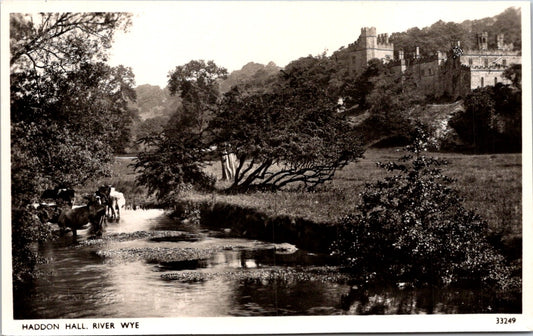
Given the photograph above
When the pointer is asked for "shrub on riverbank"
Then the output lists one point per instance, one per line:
(412, 228)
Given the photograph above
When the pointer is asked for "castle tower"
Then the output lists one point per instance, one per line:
(368, 38)
(482, 41)
(369, 45)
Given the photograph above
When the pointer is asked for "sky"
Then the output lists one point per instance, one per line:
(164, 35)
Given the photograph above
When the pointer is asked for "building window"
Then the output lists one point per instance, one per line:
(495, 81)
(470, 61)
(504, 62)
(423, 72)
(482, 80)
(486, 61)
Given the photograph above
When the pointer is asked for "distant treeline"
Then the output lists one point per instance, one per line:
(441, 35)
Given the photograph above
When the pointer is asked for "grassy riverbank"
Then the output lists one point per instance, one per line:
(490, 185)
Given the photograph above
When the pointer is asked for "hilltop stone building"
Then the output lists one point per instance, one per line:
(369, 45)
(451, 74)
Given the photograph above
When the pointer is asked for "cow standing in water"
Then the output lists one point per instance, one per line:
(112, 199)
(118, 201)
(53, 202)
(93, 213)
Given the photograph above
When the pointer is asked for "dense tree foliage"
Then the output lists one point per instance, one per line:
(287, 132)
(173, 164)
(383, 97)
(492, 120)
(173, 159)
(355, 90)
(197, 84)
(442, 35)
(389, 102)
(68, 111)
(514, 74)
(412, 228)
(291, 133)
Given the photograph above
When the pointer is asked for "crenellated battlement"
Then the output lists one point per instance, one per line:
(368, 31)
(383, 40)
(454, 72)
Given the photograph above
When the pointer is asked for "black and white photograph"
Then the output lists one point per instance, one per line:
(266, 167)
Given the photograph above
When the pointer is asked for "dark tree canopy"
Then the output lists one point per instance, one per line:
(77, 123)
(68, 112)
(63, 40)
(197, 83)
(492, 120)
(292, 133)
(514, 74)
(289, 132)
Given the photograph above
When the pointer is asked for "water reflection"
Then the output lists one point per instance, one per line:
(141, 293)
(240, 278)
(256, 297)
(77, 283)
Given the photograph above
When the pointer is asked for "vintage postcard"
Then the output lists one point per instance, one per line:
(266, 167)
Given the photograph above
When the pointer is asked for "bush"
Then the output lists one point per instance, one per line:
(174, 167)
(412, 228)
(27, 231)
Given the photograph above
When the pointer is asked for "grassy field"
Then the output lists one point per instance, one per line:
(491, 185)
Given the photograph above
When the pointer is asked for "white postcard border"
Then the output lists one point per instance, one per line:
(263, 325)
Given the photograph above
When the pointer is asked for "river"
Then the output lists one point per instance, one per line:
(148, 265)
(136, 275)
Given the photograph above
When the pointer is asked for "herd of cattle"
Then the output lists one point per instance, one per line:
(57, 207)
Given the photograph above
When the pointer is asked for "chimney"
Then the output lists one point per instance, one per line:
(500, 41)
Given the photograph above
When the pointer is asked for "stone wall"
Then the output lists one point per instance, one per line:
(481, 77)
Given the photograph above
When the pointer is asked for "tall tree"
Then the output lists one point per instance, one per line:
(174, 158)
(290, 134)
(197, 83)
(387, 96)
(67, 110)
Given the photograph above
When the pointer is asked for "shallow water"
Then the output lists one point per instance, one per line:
(77, 282)
(148, 265)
